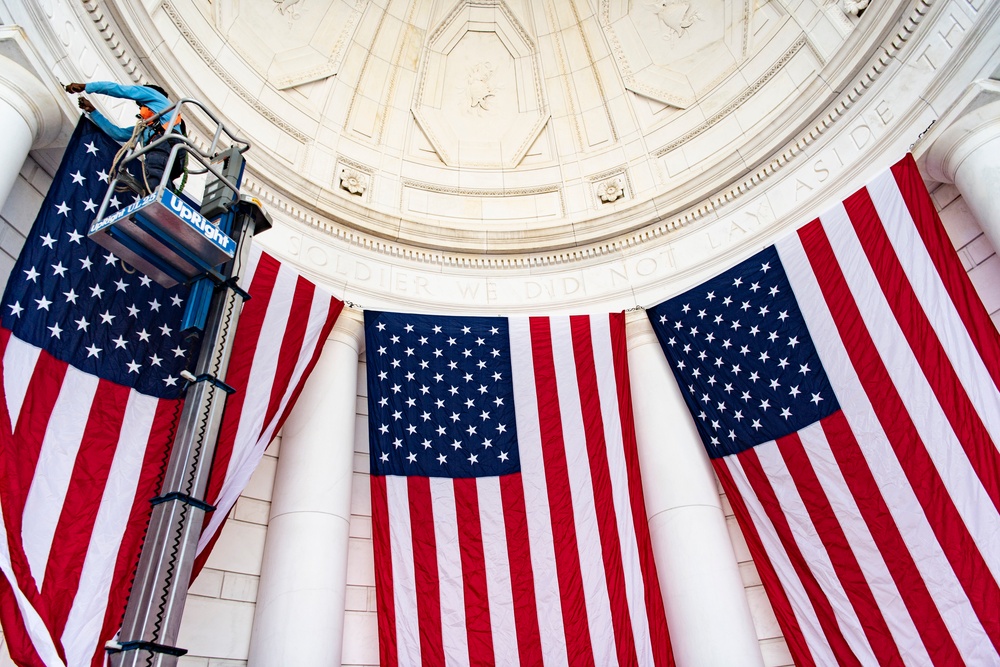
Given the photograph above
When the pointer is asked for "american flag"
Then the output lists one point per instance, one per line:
(845, 384)
(507, 509)
(90, 355)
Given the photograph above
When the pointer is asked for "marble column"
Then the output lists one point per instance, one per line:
(30, 117)
(966, 152)
(299, 617)
(703, 593)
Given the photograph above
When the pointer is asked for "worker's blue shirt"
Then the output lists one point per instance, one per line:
(141, 94)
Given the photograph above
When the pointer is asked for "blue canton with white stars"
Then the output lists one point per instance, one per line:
(78, 301)
(739, 348)
(440, 396)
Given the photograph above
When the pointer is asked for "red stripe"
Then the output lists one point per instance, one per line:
(522, 579)
(384, 601)
(291, 344)
(944, 519)
(910, 585)
(762, 488)
(333, 312)
(604, 500)
(36, 410)
(842, 557)
(952, 395)
(477, 599)
(153, 464)
(970, 308)
(240, 364)
(425, 570)
(790, 628)
(655, 614)
(567, 555)
(17, 642)
(71, 540)
(20, 460)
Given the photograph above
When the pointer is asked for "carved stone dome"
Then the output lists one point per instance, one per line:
(510, 155)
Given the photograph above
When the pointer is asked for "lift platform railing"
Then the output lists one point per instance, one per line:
(223, 138)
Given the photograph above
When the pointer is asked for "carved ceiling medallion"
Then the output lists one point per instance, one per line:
(289, 42)
(479, 98)
(675, 50)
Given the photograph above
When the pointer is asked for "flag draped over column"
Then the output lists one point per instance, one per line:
(845, 384)
(507, 509)
(90, 353)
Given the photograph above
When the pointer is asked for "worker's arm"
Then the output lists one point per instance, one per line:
(120, 134)
(141, 94)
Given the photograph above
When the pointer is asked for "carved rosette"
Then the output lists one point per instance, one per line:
(480, 99)
(611, 189)
(353, 181)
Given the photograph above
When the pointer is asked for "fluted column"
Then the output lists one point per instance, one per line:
(29, 116)
(299, 617)
(966, 152)
(707, 610)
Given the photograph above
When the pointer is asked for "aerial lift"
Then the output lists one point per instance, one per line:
(174, 239)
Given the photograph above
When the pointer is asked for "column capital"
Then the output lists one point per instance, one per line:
(638, 330)
(38, 101)
(968, 125)
(349, 329)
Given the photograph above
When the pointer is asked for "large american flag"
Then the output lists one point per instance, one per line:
(845, 384)
(90, 353)
(507, 509)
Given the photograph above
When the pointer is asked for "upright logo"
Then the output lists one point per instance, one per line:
(209, 230)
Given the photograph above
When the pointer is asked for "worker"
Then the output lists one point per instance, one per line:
(152, 100)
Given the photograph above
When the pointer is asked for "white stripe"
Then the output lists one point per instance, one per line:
(880, 581)
(536, 500)
(33, 623)
(250, 441)
(588, 535)
(501, 597)
(404, 586)
(56, 460)
(258, 390)
(607, 387)
(798, 599)
(454, 636)
(935, 300)
(246, 276)
(19, 364)
(906, 510)
(813, 551)
(86, 618)
(922, 405)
